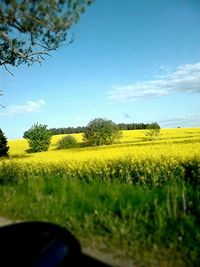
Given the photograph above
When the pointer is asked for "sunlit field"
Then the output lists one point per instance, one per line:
(138, 198)
(172, 142)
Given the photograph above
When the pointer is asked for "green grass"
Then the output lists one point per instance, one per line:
(155, 226)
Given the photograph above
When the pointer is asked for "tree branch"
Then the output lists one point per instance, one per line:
(8, 70)
(15, 51)
(40, 53)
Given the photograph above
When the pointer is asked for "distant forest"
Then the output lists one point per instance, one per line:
(80, 129)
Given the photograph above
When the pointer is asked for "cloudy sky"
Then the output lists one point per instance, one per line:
(131, 61)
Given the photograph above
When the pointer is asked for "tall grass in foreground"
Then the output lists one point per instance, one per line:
(155, 226)
(150, 171)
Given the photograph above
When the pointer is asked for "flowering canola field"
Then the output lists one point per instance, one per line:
(135, 159)
(172, 143)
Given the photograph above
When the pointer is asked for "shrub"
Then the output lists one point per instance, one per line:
(3, 145)
(67, 141)
(153, 130)
(101, 132)
(39, 137)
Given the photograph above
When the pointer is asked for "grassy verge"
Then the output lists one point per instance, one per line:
(153, 225)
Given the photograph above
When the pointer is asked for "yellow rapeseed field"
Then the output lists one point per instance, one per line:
(134, 159)
(182, 143)
(178, 142)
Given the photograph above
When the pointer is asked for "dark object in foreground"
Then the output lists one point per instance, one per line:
(41, 244)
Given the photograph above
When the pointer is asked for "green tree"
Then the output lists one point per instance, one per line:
(101, 132)
(30, 29)
(39, 137)
(153, 130)
(3, 145)
(67, 141)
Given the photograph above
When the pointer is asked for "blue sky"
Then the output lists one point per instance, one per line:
(131, 61)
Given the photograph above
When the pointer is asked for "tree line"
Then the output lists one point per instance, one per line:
(99, 131)
(81, 129)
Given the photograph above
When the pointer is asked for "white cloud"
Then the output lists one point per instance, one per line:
(192, 120)
(28, 107)
(186, 79)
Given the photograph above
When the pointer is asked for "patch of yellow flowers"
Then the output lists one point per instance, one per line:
(172, 145)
